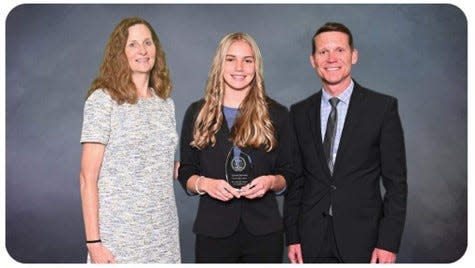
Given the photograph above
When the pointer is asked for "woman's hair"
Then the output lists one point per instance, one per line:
(253, 126)
(115, 75)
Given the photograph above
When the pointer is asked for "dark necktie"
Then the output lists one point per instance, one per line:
(329, 140)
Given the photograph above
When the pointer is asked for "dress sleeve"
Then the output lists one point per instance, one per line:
(96, 125)
(171, 105)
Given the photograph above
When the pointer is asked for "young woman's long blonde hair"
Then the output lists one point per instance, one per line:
(115, 75)
(253, 126)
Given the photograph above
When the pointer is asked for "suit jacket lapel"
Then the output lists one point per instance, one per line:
(351, 121)
(224, 134)
(313, 114)
(315, 124)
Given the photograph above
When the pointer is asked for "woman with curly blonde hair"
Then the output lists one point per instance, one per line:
(128, 145)
(235, 153)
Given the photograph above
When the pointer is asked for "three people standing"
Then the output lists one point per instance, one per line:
(239, 149)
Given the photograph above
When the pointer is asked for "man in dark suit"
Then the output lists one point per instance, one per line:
(348, 140)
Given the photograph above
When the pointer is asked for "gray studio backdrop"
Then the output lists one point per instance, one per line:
(417, 53)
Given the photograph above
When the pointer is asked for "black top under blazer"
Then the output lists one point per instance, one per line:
(371, 148)
(216, 218)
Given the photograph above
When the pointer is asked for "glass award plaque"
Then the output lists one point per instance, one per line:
(238, 168)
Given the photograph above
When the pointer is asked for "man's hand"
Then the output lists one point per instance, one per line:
(383, 256)
(295, 253)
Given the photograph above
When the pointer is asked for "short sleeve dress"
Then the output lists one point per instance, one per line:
(138, 218)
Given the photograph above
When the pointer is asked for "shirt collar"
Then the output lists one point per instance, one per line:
(343, 97)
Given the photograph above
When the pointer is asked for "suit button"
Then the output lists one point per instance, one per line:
(333, 187)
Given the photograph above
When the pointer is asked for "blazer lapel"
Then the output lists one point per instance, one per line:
(313, 114)
(224, 134)
(351, 121)
(315, 124)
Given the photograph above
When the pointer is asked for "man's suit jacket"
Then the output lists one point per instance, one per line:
(371, 148)
(216, 218)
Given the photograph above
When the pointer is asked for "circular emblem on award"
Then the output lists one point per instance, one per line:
(238, 168)
(238, 164)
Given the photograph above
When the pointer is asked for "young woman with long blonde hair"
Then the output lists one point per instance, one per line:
(236, 126)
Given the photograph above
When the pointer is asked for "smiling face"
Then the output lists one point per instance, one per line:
(140, 49)
(239, 68)
(333, 59)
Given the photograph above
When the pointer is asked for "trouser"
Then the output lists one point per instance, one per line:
(329, 250)
(240, 247)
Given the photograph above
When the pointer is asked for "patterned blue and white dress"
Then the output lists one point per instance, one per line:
(137, 209)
